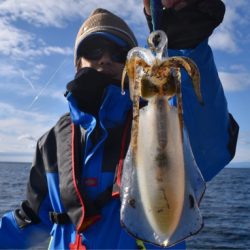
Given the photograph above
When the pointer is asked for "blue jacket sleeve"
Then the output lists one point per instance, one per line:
(29, 225)
(14, 237)
(212, 130)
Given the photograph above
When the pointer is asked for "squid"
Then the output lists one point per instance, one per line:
(161, 185)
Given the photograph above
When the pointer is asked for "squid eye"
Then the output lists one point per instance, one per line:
(148, 89)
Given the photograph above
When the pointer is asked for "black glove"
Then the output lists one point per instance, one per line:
(88, 89)
(189, 26)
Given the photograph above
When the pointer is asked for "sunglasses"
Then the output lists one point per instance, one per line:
(95, 51)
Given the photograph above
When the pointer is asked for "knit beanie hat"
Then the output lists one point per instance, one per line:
(104, 23)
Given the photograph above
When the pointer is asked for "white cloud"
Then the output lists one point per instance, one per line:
(235, 78)
(12, 38)
(20, 44)
(11, 70)
(37, 12)
(27, 137)
(17, 125)
(243, 147)
(57, 50)
(59, 95)
(8, 70)
(29, 80)
(232, 32)
(238, 67)
(224, 41)
(57, 13)
(20, 79)
(7, 110)
(29, 140)
(244, 138)
(235, 81)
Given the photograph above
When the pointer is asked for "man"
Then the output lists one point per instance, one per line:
(69, 195)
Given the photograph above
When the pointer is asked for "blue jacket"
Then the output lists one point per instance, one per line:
(73, 164)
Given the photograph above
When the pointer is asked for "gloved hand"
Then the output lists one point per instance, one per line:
(188, 22)
(176, 4)
(88, 89)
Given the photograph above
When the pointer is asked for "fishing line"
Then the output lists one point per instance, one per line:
(47, 84)
(156, 13)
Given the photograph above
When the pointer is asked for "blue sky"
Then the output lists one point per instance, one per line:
(36, 62)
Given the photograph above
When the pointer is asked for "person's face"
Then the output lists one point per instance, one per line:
(103, 56)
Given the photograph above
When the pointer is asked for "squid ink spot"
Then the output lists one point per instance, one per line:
(161, 158)
(160, 210)
(131, 202)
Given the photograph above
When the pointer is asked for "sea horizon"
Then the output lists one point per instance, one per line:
(238, 165)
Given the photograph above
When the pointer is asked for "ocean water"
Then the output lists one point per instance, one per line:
(225, 206)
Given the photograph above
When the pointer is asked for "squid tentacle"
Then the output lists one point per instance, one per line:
(177, 77)
(133, 65)
(190, 67)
